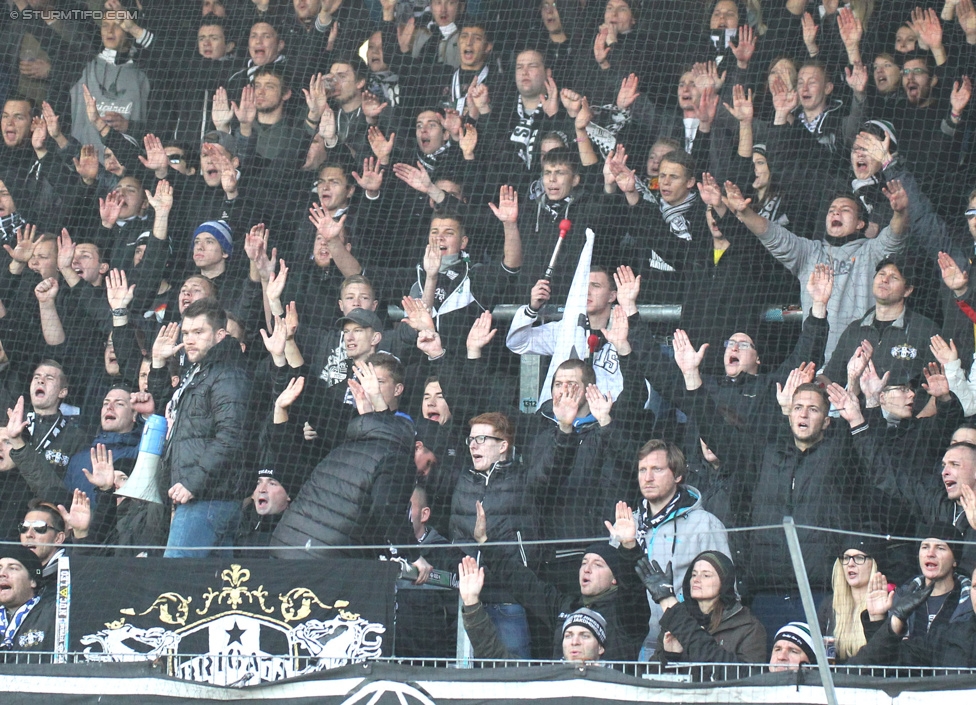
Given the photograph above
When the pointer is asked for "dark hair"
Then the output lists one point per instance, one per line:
(682, 159)
(213, 21)
(589, 376)
(483, 25)
(48, 362)
(917, 55)
(54, 516)
(562, 156)
(848, 196)
(20, 98)
(815, 388)
(388, 362)
(600, 269)
(231, 317)
(358, 66)
(675, 458)
(449, 213)
(500, 422)
(272, 70)
(211, 309)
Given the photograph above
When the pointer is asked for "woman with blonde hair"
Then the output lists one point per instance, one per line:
(840, 616)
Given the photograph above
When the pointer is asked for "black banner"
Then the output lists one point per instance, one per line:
(232, 622)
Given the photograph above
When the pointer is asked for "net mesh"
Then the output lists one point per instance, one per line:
(317, 279)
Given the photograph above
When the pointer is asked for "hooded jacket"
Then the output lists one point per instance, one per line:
(117, 85)
(359, 492)
(686, 531)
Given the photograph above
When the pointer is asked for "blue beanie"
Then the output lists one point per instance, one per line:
(221, 232)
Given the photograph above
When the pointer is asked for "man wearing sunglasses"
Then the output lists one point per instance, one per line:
(42, 533)
(26, 619)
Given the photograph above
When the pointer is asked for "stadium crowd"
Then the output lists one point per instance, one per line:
(209, 207)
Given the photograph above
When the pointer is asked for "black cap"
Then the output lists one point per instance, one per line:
(944, 531)
(286, 480)
(363, 317)
(437, 439)
(26, 558)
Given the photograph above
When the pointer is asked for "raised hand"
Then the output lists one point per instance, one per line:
(27, 239)
(820, 285)
(162, 200)
(624, 527)
(478, 94)
(155, 159)
(799, 375)
(102, 473)
(324, 224)
(432, 259)
(429, 343)
(275, 343)
(955, 278)
(550, 99)
(744, 46)
(290, 393)
(628, 92)
(86, 164)
(877, 149)
(38, 133)
(78, 518)
(316, 98)
(51, 120)
(962, 92)
(936, 383)
(166, 345)
(16, 420)
(872, 384)
(468, 140)
(859, 361)
(372, 105)
(507, 209)
(879, 599)
(624, 176)
(247, 112)
(405, 34)
(481, 333)
(707, 76)
(928, 29)
(659, 583)
(118, 290)
(785, 98)
(685, 356)
(480, 533)
(66, 251)
(291, 320)
(276, 282)
(942, 351)
(91, 109)
(565, 405)
(742, 107)
(967, 499)
(671, 644)
(966, 16)
(600, 404)
(220, 110)
(897, 196)
(382, 146)
(810, 29)
(846, 403)
(602, 46)
(256, 249)
(452, 123)
(366, 376)
(734, 200)
(857, 78)
(711, 192)
(618, 331)
(850, 28)
(371, 179)
(628, 288)
(416, 314)
(416, 177)
(584, 116)
(46, 291)
(471, 580)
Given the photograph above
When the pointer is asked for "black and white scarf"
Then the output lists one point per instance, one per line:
(646, 522)
(674, 215)
(554, 210)
(9, 225)
(459, 94)
(45, 441)
(430, 161)
(525, 131)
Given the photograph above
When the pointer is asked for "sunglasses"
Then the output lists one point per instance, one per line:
(40, 527)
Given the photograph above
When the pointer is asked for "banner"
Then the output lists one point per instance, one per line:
(232, 622)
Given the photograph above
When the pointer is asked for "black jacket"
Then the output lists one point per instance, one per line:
(624, 607)
(204, 450)
(358, 494)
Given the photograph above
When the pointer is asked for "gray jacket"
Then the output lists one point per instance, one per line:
(853, 263)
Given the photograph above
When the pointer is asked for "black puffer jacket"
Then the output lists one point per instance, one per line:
(205, 447)
(358, 494)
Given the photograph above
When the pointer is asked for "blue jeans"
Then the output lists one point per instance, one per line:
(513, 628)
(202, 525)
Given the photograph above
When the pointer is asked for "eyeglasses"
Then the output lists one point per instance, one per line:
(480, 440)
(176, 159)
(40, 527)
(738, 345)
(858, 560)
(971, 213)
(914, 72)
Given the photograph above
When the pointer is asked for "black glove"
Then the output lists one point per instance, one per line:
(659, 583)
(906, 600)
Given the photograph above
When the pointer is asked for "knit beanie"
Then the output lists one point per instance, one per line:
(221, 232)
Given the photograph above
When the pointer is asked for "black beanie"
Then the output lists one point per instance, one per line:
(610, 556)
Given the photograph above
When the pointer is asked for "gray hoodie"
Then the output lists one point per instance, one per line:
(120, 88)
